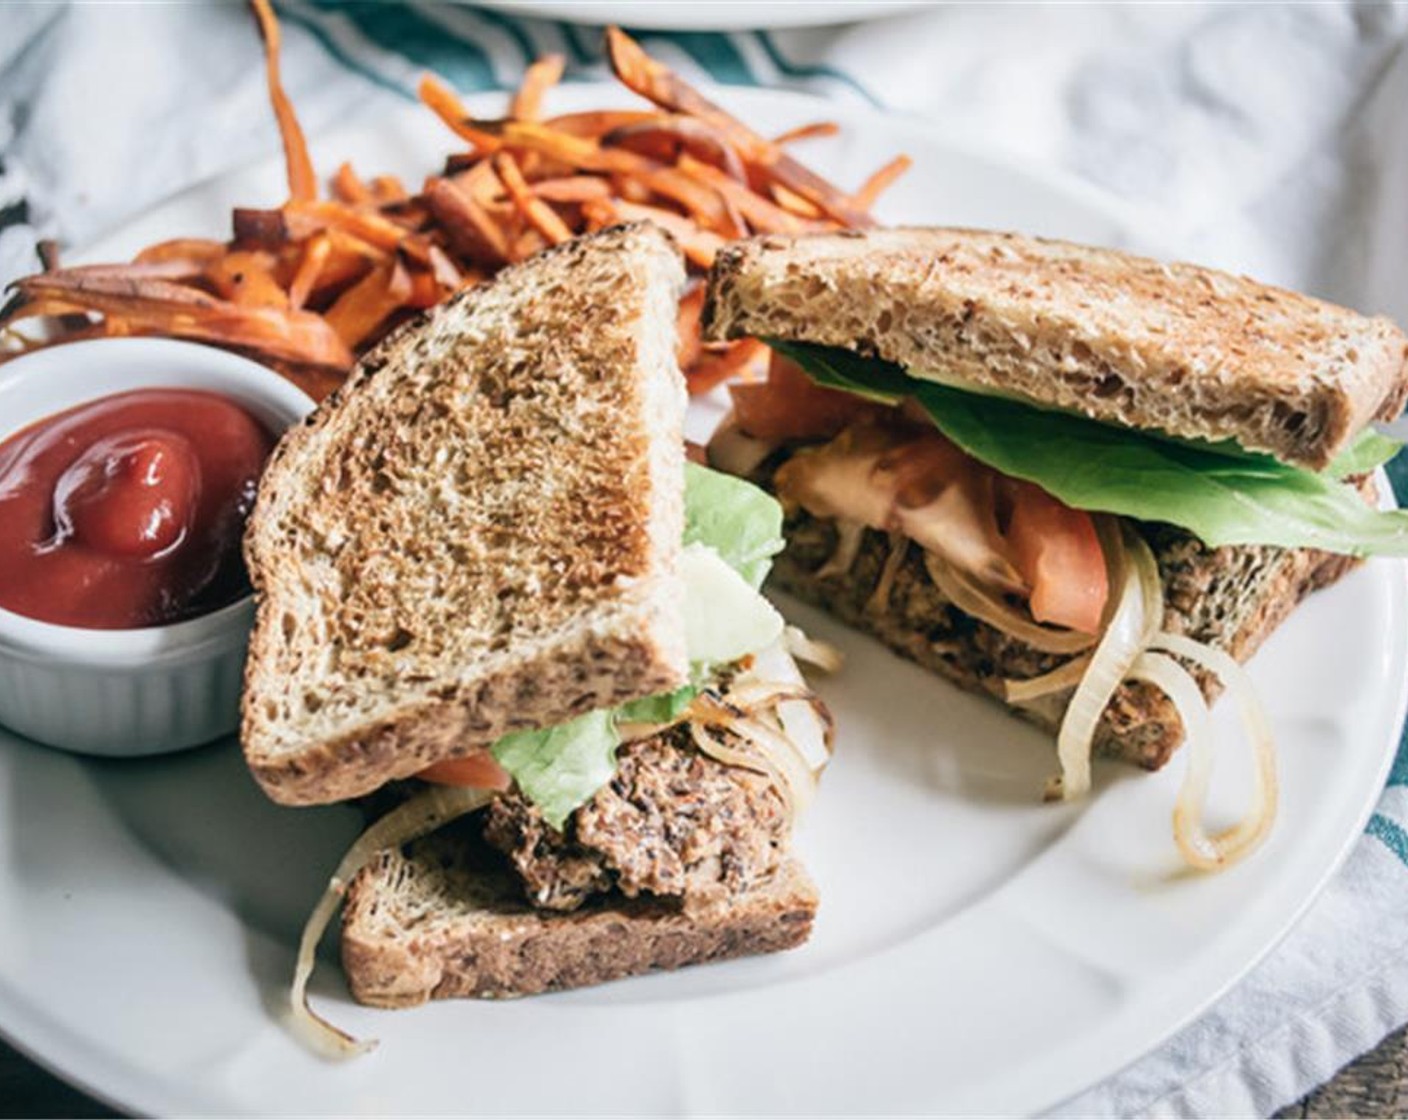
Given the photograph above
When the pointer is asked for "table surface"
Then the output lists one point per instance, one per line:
(1374, 1085)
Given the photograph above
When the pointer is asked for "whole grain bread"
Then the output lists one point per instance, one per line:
(480, 531)
(1191, 351)
(1231, 598)
(444, 919)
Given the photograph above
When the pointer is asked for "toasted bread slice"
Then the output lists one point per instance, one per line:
(444, 919)
(1193, 352)
(1231, 598)
(480, 531)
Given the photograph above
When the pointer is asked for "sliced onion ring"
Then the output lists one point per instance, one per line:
(422, 814)
(756, 763)
(780, 751)
(1061, 678)
(806, 720)
(1137, 614)
(745, 710)
(1170, 678)
(1232, 844)
(813, 651)
(970, 597)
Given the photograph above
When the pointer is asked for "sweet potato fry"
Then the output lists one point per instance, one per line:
(445, 104)
(571, 188)
(700, 245)
(348, 187)
(247, 278)
(873, 187)
(814, 131)
(715, 366)
(664, 138)
(700, 201)
(358, 313)
(598, 213)
(388, 190)
(21, 306)
(594, 124)
(172, 269)
(349, 258)
(302, 182)
(690, 345)
(316, 381)
(425, 290)
(371, 227)
(794, 203)
(447, 274)
(309, 284)
(310, 266)
(482, 182)
(47, 250)
(191, 250)
(631, 189)
(263, 229)
(762, 215)
(527, 242)
(658, 84)
(161, 307)
(537, 80)
(574, 151)
(542, 216)
(472, 232)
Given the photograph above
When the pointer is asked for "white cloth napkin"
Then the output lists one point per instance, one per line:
(1266, 139)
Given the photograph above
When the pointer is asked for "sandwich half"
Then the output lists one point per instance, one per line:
(1065, 477)
(494, 595)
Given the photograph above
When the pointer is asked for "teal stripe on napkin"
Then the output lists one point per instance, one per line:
(427, 43)
(713, 53)
(512, 28)
(1393, 837)
(422, 42)
(315, 27)
(812, 69)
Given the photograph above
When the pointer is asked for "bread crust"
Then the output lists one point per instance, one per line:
(441, 921)
(1197, 353)
(479, 531)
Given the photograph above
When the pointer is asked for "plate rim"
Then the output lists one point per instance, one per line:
(824, 13)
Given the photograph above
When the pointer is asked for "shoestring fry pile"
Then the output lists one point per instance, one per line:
(309, 286)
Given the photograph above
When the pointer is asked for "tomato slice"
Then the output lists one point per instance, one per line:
(1057, 552)
(478, 770)
(789, 405)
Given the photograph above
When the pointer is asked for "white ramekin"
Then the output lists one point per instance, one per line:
(159, 688)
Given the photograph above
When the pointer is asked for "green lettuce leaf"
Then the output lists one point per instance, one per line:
(737, 520)
(1370, 449)
(661, 708)
(1219, 495)
(561, 768)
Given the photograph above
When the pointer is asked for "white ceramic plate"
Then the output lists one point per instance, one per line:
(976, 950)
(715, 15)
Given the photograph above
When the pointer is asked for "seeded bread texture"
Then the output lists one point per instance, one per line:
(1191, 351)
(444, 919)
(479, 532)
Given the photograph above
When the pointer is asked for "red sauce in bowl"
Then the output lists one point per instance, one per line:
(128, 511)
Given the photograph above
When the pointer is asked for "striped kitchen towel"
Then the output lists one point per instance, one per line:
(1267, 139)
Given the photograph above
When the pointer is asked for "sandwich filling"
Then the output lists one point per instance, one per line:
(732, 531)
(1028, 520)
(689, 794)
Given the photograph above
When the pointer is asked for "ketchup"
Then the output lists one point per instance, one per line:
(128, 511)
